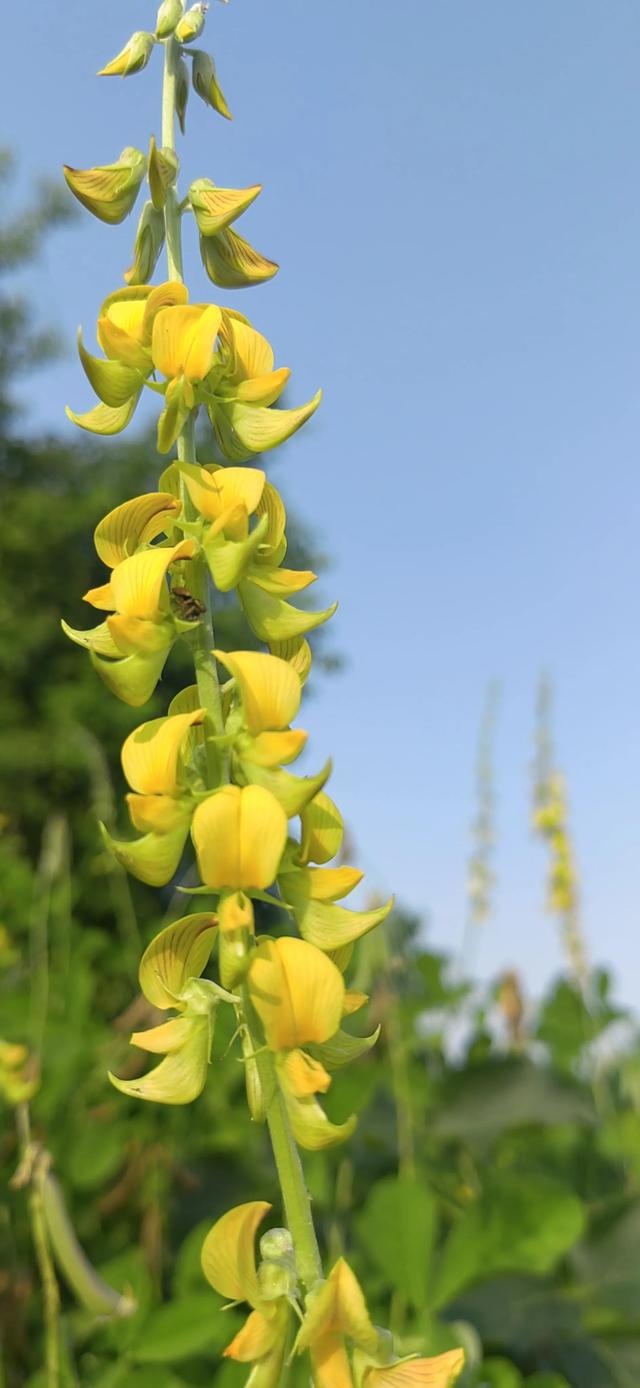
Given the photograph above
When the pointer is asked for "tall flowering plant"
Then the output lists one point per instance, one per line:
(212, 770)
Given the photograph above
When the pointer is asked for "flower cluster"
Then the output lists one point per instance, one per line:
(216, 769)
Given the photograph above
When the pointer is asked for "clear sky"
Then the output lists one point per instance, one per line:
(452, 191)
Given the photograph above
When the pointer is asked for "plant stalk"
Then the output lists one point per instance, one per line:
(293, 1188)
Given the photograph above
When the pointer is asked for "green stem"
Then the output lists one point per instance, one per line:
(297, 1203)
(46, 1269)
(295, 1195)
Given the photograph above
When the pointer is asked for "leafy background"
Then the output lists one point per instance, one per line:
(491, 1195)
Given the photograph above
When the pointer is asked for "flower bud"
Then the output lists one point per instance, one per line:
(169, 14)
(192, 23)
(132, 58)
(148, 245)
(109, 190)
(276, 1280)
(182, 92)
(205, 83)
(162, 173)
(276, 1246)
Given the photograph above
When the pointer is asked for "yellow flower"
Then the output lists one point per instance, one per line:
(228, 1263)
(238, 401)
(124, 332)
(182, 349)
(170, 971)
(130, 648)
(299, 996)
(239, 836)
(161, 806)
(336, 1311)
(110, 190)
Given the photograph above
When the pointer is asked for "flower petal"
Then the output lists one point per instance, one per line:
(322, 830)
(134, 523)
(105, 419)
(153, 859)
(134, 677)
(228, 1253)
(232, 262)
(150, 755)
(181, 1077)
(239, 836)
(112, 381)
(138, 582)
(270, 690)
(274, 620)
(297, 992)
(440, 1372)
(178, 953)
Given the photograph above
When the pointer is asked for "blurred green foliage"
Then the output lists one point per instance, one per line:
(492, 1193)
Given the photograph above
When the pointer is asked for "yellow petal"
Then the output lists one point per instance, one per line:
(322, 830)
(228, 1256)
(439, 1372)
(281, 582)
(272, 506)
(330, 884)
(273, 749)
(304, 1075)
(150, 755)
(187, 701)
(330, 1363)
(258, 1336)
(323, 924)
(155, 814)
(214, 493)
(297, 652)
(101, 597)
(239, 836)
(135, 523)
(178, 953)
(338, 1307)
(251, 353)
(181, 1077)
(105, 419)
(137, 636)
(263, 390)
(121, 345)
(353, 1001)
(297, 992)
(270, 690)
(166, 1038)
(138, 582)
(171, 293)
(183, 340)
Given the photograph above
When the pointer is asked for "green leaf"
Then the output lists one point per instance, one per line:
(397, 1228)
(181, 1329)
(96, 1154)
(519, 1223)
(488, 1097)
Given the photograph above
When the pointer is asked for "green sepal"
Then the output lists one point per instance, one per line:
(244, 429)
(206, 85)
(109, 190)
(147, 247)
(97, 639)
(169, 13)
(232, 263)
(181, 1076)
(134, 677)
(343, 1048)
(173, 418)
(162, 172)
(153, 858)
(229, 560)
(114, 383)
(215, 208)
(182, 92)
(322, 923)
(312, 1129)
(292, 792)
(105, 419)
(272, 619)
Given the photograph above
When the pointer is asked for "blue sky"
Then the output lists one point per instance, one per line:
(452, 192)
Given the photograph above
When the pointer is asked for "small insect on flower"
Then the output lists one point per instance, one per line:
(190, 609)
